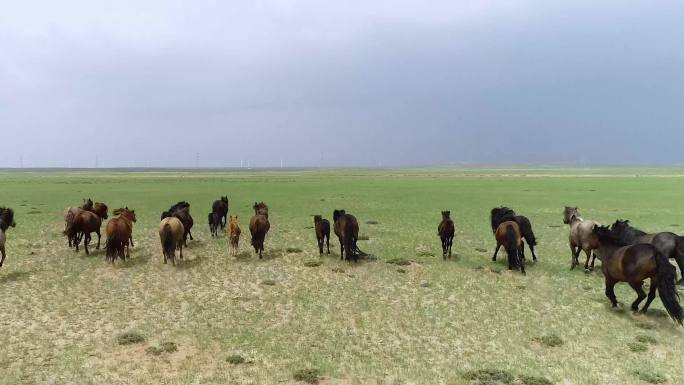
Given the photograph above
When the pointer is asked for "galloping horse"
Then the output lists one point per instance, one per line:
(259, 226)
(322, 227)
(581, 237)
(71, 213)
(6, 221)
(669, 244)
(220, 207)
(508, 235)
(234, 234)
(120, 234)
(347, 231)
(86, 223)
(503, 214)
(446, 231)
(181, 210)
(623, 262)
(214, 223)
(171, 234)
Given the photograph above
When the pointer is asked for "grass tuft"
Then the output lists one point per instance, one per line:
(293, 250)
(550, 340)
(399, 262)
(236, 359)
(403, 271)
(312, 263)
(645, 325)
(363, 238)
(268, 282)
(372, 223)
(533, 380)
(637, 347)
(130, 338)
(645, 339)
(650, 376)
(310, 376)
(489, 377)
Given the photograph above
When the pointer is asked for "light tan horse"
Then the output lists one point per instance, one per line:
(234, 233)
(582, 237)
(171, 234)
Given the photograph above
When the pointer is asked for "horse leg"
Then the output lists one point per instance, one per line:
(451, 243)
(638, 287)
(680, 264)
(181, 251)
(320, 246)
(128, 250)
(593, 259)
(341, 251)
(444, 247)
(190, 234)
(610, 291)
(534, 256)
(498, 246)
(2, 251)
(99, 237)
(131, 240)
(521, 260)
(86, 241)
(586, 263)
(651, 295)
(327, 243)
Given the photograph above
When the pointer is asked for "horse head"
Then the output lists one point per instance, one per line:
(446, 214)
(569, 213)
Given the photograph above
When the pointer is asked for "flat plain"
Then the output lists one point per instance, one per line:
(463, 321)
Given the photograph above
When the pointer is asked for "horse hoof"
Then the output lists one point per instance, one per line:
(587, 271)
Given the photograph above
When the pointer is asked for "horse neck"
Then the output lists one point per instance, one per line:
(126, 219)
(575, 219)
(607, 250)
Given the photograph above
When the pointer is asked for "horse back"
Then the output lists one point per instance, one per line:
(503, 228)
(631, 263)
(447, 228)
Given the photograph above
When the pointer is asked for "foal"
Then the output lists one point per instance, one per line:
(446, 231)
(214, 223)
(234, 234)
(322, 232)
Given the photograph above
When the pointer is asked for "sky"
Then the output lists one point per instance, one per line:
(87, 83)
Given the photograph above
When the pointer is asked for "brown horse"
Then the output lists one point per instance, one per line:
(181, 210)
(120, 234)
(446, 231)
(171, 233)
(347, 231)
(322, 227)
(581, 237)
(86, 223)
(508, 235)
(234, 234)
(6, 221)
(261, 209)
(633, 264)
(258, 227)
(71, 213)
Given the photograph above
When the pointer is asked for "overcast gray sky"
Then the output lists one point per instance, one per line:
(154, 83)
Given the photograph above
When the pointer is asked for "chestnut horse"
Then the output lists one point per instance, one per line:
(71, 213)
(581, 237)
(503, 214)
(120, 234)
(446, 231)
(171, 234)
(181, 210)
(322, 227)
(234, 234)
(508, 235)
(6, 221)
(623, 262)
(347, 231)
(86, 223)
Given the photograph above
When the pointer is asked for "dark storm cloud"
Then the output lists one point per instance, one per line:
(314, 83)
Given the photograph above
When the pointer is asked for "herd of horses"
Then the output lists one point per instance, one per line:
(627, 254)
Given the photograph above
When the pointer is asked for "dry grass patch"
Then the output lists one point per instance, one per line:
(489, 377)
(130, 338)
(310, 376)
(313, 263)
(550, 340)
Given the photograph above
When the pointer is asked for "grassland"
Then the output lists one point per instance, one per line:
(216, 319)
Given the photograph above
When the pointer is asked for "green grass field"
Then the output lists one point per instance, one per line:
(432, 322)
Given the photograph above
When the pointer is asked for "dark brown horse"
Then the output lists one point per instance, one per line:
(446, 231)
(503, 214)
(181, 210)
(71, 213)
(86, 223)
(259, 226)
(6, 221)
(347, 231)
(508, 235)
(120, 234)
(322, 227)
(220, 207)
(214, 223)
(633, 264)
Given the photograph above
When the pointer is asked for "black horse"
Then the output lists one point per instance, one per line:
(6, 221)
(220, 207)
(181, 210)
(669, 244)
(502, 214)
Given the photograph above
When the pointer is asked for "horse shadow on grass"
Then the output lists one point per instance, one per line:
(184, 264)
(15, 276)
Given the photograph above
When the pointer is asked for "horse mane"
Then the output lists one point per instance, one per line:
(337, 214)
(6, 218)
(446, 214)
(624, 233)
(180, 206)
(500, 215)
(606, 235)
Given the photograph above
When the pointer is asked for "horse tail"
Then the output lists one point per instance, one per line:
(527, 233)
(112, 247)
(512, 245)
(168, 244)
(350, 240)
(665, 276)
